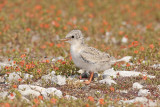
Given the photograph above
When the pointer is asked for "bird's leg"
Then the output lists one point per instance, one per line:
(90, 79)
(80, 77)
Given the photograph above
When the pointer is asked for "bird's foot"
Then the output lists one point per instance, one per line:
(90, 79)
(87, 82)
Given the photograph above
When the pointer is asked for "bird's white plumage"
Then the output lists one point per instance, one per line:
(87, 58)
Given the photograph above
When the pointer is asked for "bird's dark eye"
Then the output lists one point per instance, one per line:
(72, 36)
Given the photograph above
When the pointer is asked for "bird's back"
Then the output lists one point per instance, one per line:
(95, 59)
(93, 55)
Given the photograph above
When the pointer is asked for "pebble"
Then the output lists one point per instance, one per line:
(137, 85)
(61, 80)
(35, 91)
(143, 92)
(71, 97)
(107, 81)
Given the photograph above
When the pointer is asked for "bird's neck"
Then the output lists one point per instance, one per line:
(77, 46)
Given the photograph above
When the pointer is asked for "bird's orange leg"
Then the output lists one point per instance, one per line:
(90, 79)
(80, 77)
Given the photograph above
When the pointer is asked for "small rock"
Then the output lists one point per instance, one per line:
(114, 74)
(24, 87)
(104, 76)
(27, 76)
(36, 88)
(81, 80)
(159, 87)
(49, 78)
(2, 80)
(143, 100)
(3, 94)
(32, 87)
(29, 92)
(136, 85)
(137, 99)
(124, 91)
(109, 72)
(143, 92)
(124, 40)
(61, 80)
(58, 58)
(38, 83)
(108, 81)
(13, 77)
(52, 73)
(156, 66)
(81, 71)
(70, 97)
(35, 91)
(51, 92)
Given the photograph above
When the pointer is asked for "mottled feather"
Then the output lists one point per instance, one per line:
(92, 55)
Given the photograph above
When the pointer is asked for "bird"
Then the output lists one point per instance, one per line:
(85, 57)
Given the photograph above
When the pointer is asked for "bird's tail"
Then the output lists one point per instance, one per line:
(125, 59)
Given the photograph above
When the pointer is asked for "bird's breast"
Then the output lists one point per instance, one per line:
(75, 53)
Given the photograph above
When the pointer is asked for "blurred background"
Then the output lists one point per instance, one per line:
(35, 26)
(30, 31)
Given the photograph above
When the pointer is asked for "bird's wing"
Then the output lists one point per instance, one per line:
(92, 55)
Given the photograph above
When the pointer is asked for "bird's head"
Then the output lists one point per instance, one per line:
(73, 37)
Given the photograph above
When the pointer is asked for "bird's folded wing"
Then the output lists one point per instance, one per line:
(92, 55)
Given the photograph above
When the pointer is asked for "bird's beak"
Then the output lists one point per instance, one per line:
(64, 40)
